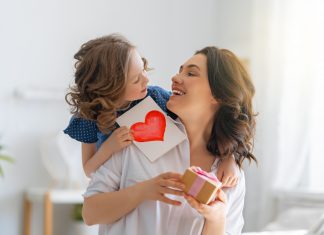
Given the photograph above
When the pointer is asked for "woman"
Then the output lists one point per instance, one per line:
(212, 96)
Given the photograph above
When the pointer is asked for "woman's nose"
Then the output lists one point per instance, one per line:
(177, 79)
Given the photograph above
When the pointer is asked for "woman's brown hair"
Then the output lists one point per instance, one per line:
(100, 79)
(234, 123)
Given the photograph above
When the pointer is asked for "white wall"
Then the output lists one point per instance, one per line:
(37, 43)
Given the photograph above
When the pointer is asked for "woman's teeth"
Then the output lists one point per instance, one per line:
(176, 92)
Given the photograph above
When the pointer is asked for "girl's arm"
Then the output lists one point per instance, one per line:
(228, 172)
(92, 159)
(106, 208)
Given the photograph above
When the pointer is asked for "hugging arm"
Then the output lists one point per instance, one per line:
(92, 159)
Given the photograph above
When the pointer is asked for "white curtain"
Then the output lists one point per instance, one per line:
(288, 68)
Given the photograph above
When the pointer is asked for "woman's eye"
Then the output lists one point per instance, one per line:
(190, 74)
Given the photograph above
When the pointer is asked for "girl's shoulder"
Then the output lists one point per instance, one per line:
(159, 95)
(158, 92)
(82, 130)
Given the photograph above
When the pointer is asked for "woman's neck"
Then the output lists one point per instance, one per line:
(198, 129)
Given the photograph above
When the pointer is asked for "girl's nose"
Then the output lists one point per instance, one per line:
(145, 80)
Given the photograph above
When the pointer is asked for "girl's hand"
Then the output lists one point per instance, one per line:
(228, 172)
(119, 139)
(166, 183)
(214, 211)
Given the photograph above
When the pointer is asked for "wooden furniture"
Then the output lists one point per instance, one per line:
(48, 197)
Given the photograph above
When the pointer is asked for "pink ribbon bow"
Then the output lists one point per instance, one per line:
(200, 181)
(206, 174)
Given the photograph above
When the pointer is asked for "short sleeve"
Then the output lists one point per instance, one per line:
(82, 130)
(160, 96)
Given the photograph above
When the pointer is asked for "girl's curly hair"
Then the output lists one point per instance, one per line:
(234, 123)
(100, 79)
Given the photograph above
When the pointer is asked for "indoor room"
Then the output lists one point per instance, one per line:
(279, 44)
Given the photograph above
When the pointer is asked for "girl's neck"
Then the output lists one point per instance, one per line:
(124, 105)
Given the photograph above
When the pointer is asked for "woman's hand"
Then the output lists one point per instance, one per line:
(166, 183)
(119, 139)
(214, 211)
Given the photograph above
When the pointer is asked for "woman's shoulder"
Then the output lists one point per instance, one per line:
(82, 130)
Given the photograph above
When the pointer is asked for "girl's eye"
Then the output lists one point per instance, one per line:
(190, 74)
(137, 80)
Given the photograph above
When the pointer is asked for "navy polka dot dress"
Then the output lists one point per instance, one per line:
(86, 131)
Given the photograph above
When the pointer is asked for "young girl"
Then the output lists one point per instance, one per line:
(111, 78)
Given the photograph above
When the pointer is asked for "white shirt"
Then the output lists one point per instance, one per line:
(130, 166)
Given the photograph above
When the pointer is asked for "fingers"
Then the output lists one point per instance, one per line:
(229, 181)
(169, 201)
(233, 182)
(225, 181)
(124, 134)
(172, 184)
(166, 183)
(165, 190)
(171, 175)
(122, 130)
(220, 175)
(221, 196)
(194, 203)
(126, 143)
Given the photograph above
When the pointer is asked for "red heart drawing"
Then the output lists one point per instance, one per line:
(152, 130)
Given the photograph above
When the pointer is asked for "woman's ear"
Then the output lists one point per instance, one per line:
(213, 100)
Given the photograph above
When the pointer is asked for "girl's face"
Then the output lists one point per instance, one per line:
(136, 81)
(190, 88)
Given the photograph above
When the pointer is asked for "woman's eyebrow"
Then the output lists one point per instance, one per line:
(189, 66)
(193, 66)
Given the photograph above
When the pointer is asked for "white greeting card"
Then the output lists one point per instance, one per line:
(154, 133)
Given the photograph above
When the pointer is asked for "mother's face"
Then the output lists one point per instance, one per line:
(191, 92)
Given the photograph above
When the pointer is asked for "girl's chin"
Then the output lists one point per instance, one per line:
(142, 95)
(144, 91)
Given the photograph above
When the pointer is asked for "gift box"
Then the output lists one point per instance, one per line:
(200, 184)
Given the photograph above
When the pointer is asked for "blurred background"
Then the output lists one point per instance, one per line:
(281, 42)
